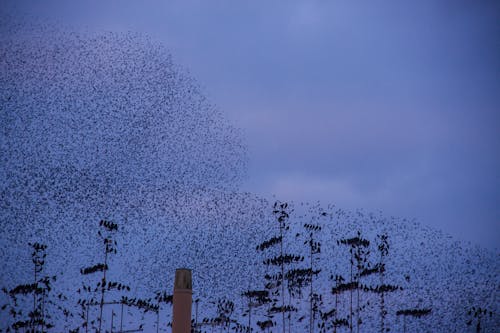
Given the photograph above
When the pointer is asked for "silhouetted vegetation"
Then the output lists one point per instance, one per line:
(475, 315)
(415, 313)
(38, 318)
(281, 293)
(275, 282)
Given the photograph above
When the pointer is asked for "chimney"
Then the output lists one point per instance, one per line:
(183, 291)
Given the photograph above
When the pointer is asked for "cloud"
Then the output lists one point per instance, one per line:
(392, 104)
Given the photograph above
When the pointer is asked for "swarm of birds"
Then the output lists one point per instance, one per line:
(106, 127)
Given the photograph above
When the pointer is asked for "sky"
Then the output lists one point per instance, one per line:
(388, 105)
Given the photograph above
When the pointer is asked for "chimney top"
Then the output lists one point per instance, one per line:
(183, 279)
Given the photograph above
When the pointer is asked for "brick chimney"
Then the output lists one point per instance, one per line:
(183, 291)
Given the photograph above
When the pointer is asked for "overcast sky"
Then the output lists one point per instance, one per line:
(381, 105)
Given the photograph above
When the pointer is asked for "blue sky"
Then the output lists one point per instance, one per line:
(390, 106)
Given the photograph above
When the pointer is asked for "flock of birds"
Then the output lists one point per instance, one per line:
(107, 126)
